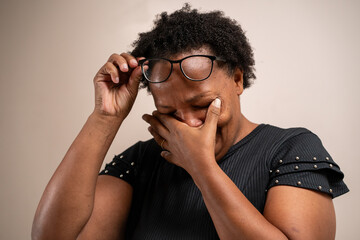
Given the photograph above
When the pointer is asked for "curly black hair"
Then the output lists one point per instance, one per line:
(188, 29)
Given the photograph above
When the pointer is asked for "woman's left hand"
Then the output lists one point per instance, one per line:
(191, 148)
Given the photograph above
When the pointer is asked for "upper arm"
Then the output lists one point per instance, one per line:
(111, 207)
(301, 213)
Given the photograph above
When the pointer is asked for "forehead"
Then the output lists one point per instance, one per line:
(179, 89)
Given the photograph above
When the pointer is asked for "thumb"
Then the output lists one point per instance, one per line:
(212, 115)
(134, 80)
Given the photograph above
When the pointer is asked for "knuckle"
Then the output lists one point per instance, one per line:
(156, 114)
(127, 56)
(113, 56)
(109, 67)
(178, 133)
(215, 111)
(124, 54)
(116, 59)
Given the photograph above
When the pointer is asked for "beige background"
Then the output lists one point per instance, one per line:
(307, 58)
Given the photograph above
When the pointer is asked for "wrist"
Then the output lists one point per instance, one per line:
(105, 123)
(210, 169)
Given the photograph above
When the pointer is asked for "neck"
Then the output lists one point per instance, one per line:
(245, 127)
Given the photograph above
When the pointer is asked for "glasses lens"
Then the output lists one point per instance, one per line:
(197, 67)
(156, 70)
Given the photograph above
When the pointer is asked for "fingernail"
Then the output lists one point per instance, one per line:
(217, 102)
(133, 62)
(117, 80)
(125, 67)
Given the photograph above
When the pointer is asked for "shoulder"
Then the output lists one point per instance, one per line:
(130, 162)
(298, 140)
(281, 135)
(299, 159)
(139, 150)
(296, 144)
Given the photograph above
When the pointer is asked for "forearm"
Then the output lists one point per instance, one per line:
(233, 215)
(68, 199)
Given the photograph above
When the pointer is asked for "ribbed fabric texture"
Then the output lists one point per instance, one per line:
(168, 205)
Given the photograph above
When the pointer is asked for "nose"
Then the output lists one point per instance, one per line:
(192, 119)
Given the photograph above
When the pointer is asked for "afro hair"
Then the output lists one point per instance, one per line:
(188, 29)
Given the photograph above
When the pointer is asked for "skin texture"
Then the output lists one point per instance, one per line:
(195, 130)
(186, 107)
(191, 134)
(77, 203)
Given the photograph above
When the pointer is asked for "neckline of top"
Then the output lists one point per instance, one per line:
(244, 140)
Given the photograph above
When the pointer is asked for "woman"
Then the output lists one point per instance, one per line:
(209, 172)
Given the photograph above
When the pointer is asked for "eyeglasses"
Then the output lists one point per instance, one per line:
(194, 67)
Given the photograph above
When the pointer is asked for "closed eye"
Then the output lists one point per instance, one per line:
(172, 113)
(202, 106)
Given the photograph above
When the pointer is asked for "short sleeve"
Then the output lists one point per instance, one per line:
(125, 165)
(302, 161)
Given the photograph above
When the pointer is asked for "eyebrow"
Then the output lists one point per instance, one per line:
(193, 98)
(198, 97)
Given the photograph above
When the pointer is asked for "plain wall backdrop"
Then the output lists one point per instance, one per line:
(307, 60)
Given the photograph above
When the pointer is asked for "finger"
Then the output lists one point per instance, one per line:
(158, 139)
(131, 60)
(119, 61)
(156, 125)
(134, 80)
(212, 115)
(109, 69)
(166, 120)
(168, 156)
(139, 58)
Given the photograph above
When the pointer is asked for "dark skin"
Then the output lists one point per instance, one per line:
(196, 133)
(192, 129)
(185, 109)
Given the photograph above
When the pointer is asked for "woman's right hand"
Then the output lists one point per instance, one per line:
(116, 86)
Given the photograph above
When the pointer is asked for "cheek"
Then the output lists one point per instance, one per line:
(225, 116)
(223, 133)
(227, 99)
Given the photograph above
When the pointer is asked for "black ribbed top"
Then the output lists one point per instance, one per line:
(168, 205)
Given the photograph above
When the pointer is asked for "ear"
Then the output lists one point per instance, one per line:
(238, 80)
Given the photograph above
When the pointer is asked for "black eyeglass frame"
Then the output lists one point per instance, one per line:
(212, 58)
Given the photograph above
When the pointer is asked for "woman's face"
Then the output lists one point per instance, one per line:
(188, 101)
